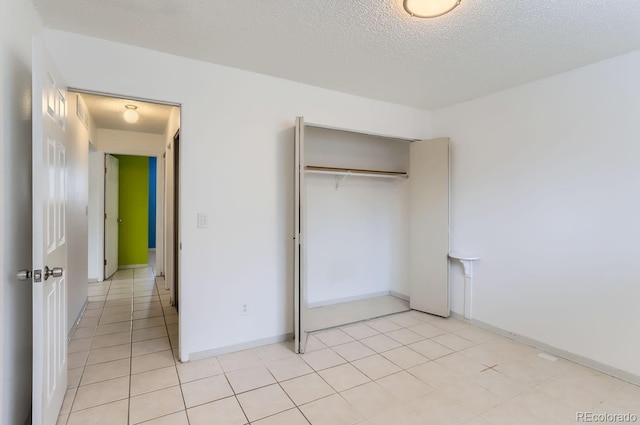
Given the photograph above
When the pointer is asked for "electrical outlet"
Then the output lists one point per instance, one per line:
(244, 310)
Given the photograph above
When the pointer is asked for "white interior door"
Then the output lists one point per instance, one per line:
(111, 219)
(49, 239)
(429, 226)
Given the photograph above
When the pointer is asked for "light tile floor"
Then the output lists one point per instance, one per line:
(407, 368)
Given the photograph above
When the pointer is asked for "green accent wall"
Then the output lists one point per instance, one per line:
(133, 210)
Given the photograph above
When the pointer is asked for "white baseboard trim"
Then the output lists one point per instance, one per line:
(75, 323)
(576, 358)
(399, 295)
(348, 299)
(238, 347)
(92, 280)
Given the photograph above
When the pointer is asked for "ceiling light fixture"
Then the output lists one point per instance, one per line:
(130, 114)
(429, 8)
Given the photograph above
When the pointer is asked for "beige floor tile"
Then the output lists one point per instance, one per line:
(376, 366)
(571, 392)
(359, 331)
(305, 389)
(144, 305)
(288, 417)
(383, 325)
(91, 313)
(460, 364)
(67, 402)
(115, 318)
(404, 319)
(62, 420)
(434, 375)
(331, 410)
(95, 305)
(509, 414)
(110, 340)
(76, 360)
(88, 322)
(108, 354)
(113, 328)
(476, 335)
(405, 336)
(105, 371)
(427, 330)
(397, 415)
(179, 418)
(84, 332)
(77, 345)
(314, 344)
(152, 361)
(145, 314)
(380, 343)
(150, 346)
(548, 409)
(149, 333)
(484, 355)
(239, 360)
(322, 359)
(226, 412)
(429, 349)
(263, 402)
(405, 357)
(333, 337)
(523, 372)
(148, 323)
(243, 380)
(472, 396)
(404, 386)
(171, 319)
(353, 350)
(272, 352)
(478, 420)
(438, 409)
(74, 376)
(100, 393)
(206, 390)
(155, 404)
(119, 309)
(174, 328)
(107, 414)
(154, 380)
(289, 367)
(454, 342)
(343, 377)
(369, 399)
(198, 369)
(500, 384)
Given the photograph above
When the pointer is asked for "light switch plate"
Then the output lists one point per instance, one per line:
(202, 220)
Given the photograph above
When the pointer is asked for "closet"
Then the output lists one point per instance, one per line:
(371, 227)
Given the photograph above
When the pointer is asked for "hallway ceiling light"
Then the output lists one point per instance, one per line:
(130, 114)
(429, 8)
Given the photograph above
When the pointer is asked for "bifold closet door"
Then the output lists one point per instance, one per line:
(429, 226)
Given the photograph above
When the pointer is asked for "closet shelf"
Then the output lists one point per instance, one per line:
(313, 169)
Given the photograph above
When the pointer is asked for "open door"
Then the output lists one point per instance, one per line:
(111, 219)
(429, 226)
(299, 302)
(49, 239)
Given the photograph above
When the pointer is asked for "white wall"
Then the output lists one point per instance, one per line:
(18, 23)
(129, 142)
(236, 156)
(545, 190)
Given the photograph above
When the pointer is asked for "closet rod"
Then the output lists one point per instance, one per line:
(341, 171)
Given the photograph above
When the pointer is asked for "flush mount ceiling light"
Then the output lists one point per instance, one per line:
(429, 8)
(130, 114)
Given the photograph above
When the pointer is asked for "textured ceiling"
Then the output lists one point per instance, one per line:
(370, 48)
(107, 112)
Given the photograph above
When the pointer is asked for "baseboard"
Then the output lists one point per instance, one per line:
(576, 358)
(399, 295)
(92, 280)
(348, 299)
(238, 347)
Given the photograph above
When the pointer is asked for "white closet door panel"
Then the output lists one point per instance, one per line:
(429, 226)
(299, 305)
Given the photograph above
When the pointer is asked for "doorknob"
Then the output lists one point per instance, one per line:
(55, 272)
(24, 274)
(119, 220)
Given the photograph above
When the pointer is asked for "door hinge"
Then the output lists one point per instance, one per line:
(105, 170)
(105, 261)
(105, 216)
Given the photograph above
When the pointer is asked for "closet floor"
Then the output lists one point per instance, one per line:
(340, 314)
